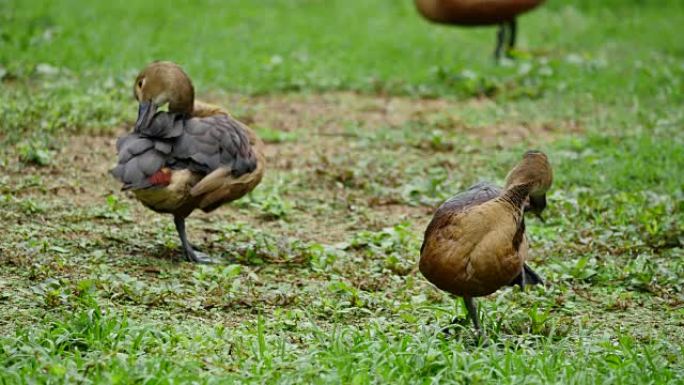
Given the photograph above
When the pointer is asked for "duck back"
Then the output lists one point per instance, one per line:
(475, 243)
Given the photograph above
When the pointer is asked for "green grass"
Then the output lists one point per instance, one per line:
(59, 57)
(372, 117)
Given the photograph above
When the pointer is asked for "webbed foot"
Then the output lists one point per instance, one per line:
(199, 257)
(191, 254)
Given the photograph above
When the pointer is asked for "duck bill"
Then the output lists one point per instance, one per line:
(146, 111)
(537, 204)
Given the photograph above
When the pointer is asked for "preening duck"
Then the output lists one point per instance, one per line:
(195, 156)
(479, 13)
(476, 243)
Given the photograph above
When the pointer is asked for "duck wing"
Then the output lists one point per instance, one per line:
(219, 147)
(144, 152)
(212, 143)
(475, 195)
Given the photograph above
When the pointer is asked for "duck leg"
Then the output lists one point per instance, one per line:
(500, 37)
(512, 34)
(471, 307)
(191, 254)
(506, 35)
(472, 312)
(482, 339)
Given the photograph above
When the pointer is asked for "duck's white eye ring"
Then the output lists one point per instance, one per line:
(140, 83)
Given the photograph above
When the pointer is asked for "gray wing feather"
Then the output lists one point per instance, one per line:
(214, 142)
(150, 162)
(131, 146)
(201, 145)
(163, 147)
(476, 194)
(139, 158)
(132, 172)
(164, 125)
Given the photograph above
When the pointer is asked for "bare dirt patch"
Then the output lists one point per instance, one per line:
(334, 113)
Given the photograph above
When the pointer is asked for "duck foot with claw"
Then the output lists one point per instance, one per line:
(191, 254)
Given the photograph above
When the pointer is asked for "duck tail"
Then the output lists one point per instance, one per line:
(527, 277)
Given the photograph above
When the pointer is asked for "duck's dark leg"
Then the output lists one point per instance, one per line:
(472, 312)
(500, 37)
(512, 34)
(457, 320)
(523, 280)
(191, 254)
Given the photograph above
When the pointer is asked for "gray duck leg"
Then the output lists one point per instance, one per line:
(191, 254)
(506, 36)
(471, 307)
(472, 312)
(512, 34)
(500, 37)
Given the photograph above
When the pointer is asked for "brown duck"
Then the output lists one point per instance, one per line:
(477, 13)
(195, 156)
(476, 244)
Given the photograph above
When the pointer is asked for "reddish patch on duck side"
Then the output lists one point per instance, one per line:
(161, 177)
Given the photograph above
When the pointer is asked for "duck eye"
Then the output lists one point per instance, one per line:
(140, 83)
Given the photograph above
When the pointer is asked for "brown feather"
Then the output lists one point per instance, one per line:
(473, 247)
(473, 12)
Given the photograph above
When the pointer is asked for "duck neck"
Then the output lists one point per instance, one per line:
(516, 195)
(184, 111)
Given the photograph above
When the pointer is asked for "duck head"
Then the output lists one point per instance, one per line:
(161, 83)
(534, 170)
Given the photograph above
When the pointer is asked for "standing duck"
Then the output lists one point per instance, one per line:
(479, 12)
(476, 244)
(195, 156)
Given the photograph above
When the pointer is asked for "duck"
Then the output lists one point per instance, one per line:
(503, 13)
(193, 156)
(475, 243)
